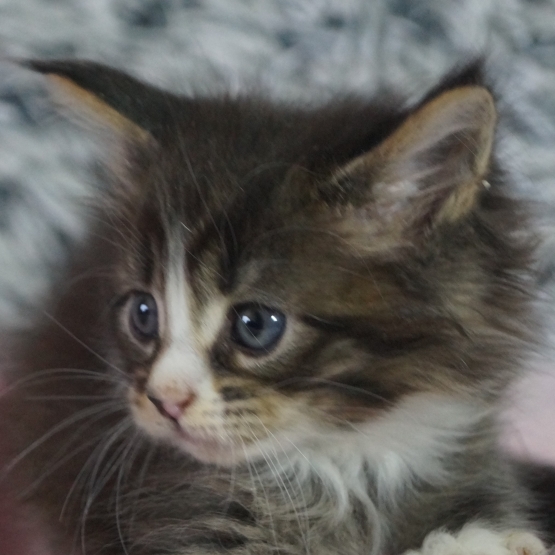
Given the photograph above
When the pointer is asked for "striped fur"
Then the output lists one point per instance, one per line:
(387, 238)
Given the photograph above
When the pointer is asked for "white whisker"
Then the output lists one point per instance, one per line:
(269, 511)
(83, 344)
(279, 474)
(67, 422)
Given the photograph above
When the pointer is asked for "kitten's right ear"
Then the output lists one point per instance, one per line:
(105, 98)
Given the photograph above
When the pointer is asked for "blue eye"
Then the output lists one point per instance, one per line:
(258, 328)
(143, 316)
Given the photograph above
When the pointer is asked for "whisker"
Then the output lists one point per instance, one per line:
(84, 468)
(68, 397)
(275, 474)
(83, 344)
(36, 483)
(53, 431)
(137, 488)
(125, 460)
(278, 475)
(78, 435)
(58, 374)
(269, 511)
(98, 481)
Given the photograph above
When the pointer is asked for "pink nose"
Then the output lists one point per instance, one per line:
(172, 409)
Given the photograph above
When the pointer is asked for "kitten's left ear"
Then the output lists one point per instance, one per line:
(427, 172)
(104, 98)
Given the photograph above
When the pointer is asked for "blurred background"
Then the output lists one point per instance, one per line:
(304, 50)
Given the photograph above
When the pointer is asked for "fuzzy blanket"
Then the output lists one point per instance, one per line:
(293, 49)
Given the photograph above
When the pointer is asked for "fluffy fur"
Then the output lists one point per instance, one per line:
(386, 237)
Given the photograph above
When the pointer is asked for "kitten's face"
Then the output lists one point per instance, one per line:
(259, 323)
(275, 359)
(232, 372)
(285, 277)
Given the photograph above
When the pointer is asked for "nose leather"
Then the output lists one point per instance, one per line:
(171, 409)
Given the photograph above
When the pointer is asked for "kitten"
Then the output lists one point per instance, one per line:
(288, 331)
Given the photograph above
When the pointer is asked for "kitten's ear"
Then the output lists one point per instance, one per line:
(427, 172)
(104, 98)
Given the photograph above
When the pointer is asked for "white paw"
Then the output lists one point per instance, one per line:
(474, 539)
(524, 543)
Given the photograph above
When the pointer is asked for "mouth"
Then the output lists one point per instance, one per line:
(205, 443)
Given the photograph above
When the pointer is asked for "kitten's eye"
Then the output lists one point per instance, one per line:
(258, 328)
(143, 316)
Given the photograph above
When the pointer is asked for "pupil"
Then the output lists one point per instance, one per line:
(143, 312)
(254, 322)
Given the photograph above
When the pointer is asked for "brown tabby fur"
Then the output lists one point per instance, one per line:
(391, 298)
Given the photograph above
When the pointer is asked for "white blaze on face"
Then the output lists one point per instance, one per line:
(181, 387)
(180, 369)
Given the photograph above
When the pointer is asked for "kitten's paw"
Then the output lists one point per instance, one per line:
(524, 543)
(476, 540)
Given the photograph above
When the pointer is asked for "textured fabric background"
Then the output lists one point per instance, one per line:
(293, 49)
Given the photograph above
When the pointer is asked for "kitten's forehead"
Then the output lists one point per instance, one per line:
(190, 317)
(236, 177)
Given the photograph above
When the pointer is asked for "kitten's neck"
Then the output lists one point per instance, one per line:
(374, 462)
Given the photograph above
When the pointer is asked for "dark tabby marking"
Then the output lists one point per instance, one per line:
(288, 330)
